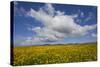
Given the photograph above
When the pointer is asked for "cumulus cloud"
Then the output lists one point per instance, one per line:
(57, 25)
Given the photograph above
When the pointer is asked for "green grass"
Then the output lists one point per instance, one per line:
(52, 54)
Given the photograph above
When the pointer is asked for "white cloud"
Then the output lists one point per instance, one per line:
(81, 13)
(57, 25)
(15, 3)
(94, 35)
(50, 34)
(89, 17)
(60, 13)
(49, 9)
(19, 11)
(75, 15)
(78, 20)
(30, 41)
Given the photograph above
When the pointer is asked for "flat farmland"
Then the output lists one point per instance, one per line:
(53, 54)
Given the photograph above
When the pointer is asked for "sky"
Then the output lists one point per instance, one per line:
(46, 23)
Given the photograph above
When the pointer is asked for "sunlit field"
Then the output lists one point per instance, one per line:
(53, 54)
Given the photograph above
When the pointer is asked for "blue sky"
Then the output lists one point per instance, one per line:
(41, 23)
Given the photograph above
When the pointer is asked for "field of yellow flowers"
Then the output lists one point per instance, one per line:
(53, 54)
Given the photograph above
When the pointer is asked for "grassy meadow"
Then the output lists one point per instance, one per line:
(53, 54)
